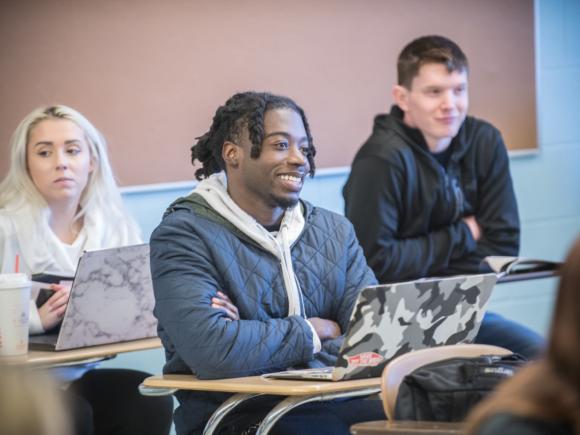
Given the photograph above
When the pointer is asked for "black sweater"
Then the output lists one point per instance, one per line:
(407, 208)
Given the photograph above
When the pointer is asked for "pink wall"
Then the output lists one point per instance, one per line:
(150, 74)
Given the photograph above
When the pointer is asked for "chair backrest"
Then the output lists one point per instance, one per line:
(401, 366)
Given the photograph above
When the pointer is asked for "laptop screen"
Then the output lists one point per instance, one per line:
(111, 299)
(393, 319)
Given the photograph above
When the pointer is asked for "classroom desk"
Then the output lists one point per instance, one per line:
(300, 392)
(385, 427)
(38, 358)
(297, 392)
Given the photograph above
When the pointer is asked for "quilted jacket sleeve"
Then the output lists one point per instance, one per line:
(200, 338)
(357, 275)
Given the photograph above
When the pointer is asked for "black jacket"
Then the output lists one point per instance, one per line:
(407, 208)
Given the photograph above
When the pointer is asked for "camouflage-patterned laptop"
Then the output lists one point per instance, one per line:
(392, 319)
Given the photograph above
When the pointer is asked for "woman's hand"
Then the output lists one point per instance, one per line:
(223, 303)
(52, 312)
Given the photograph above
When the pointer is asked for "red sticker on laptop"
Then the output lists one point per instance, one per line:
(365, 359)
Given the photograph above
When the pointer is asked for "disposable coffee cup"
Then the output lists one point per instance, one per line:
(14, 305)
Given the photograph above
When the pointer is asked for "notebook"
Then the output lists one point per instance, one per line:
(392, 319)
(111, 301)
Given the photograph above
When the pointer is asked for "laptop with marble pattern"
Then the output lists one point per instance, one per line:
(111, 301)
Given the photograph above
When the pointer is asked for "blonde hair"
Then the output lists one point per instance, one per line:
(101, 192)
(32, 404)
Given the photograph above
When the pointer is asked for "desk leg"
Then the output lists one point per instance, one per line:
(224, 409)
(292, 402)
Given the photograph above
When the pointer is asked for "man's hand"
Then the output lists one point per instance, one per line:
(473, 226)
(52, 312)
(325, 329)
(223, 303)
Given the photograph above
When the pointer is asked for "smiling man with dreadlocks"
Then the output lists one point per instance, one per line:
(249, 278)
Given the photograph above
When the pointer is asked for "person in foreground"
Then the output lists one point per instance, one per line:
(58, 200)
(249, 278)
(544, 397)
(430, 191)
(31, 403)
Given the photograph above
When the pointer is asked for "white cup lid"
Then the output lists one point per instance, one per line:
(11, 280)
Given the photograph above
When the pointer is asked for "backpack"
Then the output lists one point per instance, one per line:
(446, 390)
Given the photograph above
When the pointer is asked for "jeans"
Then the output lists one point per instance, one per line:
(318, 418)
(499, 331)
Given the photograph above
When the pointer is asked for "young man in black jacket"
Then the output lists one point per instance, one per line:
(430, 192)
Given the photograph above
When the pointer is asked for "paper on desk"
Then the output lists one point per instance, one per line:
(509, 265)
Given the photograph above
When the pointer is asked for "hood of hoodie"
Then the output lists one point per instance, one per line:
(214, 190)
(393, 123)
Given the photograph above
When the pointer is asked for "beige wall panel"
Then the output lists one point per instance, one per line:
(150, 74)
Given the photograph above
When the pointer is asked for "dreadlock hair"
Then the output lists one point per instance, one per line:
(428, 49)
(244, 109)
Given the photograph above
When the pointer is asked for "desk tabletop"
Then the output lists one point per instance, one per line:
(257, 384)
(87, 354)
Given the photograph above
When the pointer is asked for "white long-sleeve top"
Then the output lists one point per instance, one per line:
(29, 236)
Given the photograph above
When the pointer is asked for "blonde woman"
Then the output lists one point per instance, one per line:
(58, 200)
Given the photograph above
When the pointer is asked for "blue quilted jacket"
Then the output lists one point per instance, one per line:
(195, 252)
